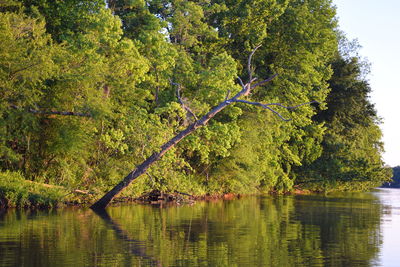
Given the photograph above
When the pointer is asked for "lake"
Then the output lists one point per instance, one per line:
(346, 229)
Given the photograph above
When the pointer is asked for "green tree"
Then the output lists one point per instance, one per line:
(351, 157)
(395, 182)
(92, 72)
(299, 43)
(26, 61)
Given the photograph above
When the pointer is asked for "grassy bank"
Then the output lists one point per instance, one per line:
(15, 191)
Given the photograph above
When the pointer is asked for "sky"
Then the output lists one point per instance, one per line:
(376, 25)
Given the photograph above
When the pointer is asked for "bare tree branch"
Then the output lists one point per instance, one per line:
(184, 106)
(263, 82)
(63, 113)
(249, 70)
(241, 83)
(227, 95)
(48, 112)
(292, 107)
(267, 106)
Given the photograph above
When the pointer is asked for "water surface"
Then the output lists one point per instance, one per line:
(348, 229)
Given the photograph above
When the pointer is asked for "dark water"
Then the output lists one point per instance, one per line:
(338, 230)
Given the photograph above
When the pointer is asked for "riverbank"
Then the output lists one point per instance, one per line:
(17, 192)
(20, 193)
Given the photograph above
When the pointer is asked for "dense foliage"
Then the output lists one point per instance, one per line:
(395, 182)
(351, 143)
(86, 94)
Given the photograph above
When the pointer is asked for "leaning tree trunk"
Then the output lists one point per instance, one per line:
(103, 202)
(142, 168)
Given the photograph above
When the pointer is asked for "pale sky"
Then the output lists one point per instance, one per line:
(376, 25)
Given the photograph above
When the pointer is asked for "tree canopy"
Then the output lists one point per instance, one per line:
(88, 90)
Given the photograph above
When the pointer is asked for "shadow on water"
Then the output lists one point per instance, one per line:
(135, 247)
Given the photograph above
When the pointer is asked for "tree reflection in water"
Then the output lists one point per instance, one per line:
(136, 247)
(338, 230)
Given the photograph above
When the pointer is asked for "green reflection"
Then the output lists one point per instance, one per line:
(339, 230)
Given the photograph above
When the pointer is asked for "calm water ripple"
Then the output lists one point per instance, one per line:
(347, 229)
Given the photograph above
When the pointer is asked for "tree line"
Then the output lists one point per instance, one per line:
(89, 90)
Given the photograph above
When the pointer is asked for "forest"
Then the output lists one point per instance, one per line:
(90, 89)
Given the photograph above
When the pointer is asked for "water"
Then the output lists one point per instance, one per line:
(346, 229)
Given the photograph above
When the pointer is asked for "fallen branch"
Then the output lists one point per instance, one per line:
(184, 194)
(78, 191)
(83, 192)
(142, 168)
